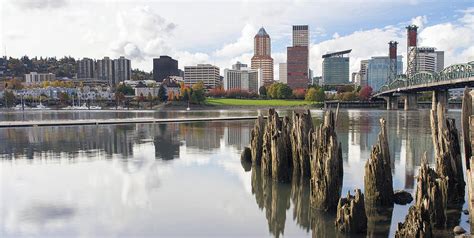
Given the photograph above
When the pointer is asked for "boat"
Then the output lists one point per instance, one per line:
(95, 108)
(40, 107)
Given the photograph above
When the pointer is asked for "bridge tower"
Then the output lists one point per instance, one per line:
(392, 55)
(412, 34)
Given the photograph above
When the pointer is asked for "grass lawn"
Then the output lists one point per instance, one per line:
(256, 102)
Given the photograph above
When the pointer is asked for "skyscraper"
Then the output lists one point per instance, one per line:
(122, 70)
(164, 67)
(300, 35)
(298, 58)
(86, 68)
(297, 67)
(262, 56)
(336, 68)
(105, 70)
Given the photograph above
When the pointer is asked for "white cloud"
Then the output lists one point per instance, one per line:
(39, 4)
(243, 45)
(419, 21)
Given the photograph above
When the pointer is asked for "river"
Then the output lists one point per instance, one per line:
(183, 179)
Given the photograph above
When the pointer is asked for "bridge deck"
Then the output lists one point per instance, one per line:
(4, 124)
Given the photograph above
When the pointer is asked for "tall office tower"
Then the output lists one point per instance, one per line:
(122, 70)
(301, 35)
(262, 58)
(412, 34)
(86, 68)
(164, 67)
(298, 58)
(208, 74)
(430, 60)
(283, 73)
(379, 69)
(336, 68)
(363, 72)
(392, 55)
(105, 70)
(297, 67)
(241, 77)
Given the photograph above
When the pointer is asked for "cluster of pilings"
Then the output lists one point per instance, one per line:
(440, 188)
(294, 150)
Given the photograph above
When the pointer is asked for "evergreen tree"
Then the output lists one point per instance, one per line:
(162, 94)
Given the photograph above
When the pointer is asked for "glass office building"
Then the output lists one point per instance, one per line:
(378, 69)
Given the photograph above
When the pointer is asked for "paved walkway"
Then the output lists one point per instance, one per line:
(4, 124)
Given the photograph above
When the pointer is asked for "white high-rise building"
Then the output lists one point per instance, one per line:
(430, 60)
(241, 77)
(283, 73)
(36, 78)
(207, 73)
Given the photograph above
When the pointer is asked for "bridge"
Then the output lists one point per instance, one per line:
(454, 76)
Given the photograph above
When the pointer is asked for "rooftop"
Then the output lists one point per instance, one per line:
(262, 32)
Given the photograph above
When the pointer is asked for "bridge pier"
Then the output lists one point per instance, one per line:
(440, 96)
(411, 101)
(392, 102)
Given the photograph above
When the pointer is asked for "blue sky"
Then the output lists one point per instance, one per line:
(221, 32)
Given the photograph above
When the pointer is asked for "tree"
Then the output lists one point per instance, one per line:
(365, 93)
(162, 95)
(299, 93)
(217, 92)
(63, 97)
(279, 91)
(140, 99)
(311, 95)
(9, 98)
(150, 99)
(320, 95)
(14, 84)
(262, 91)
(315, 95)
(119, 97)
(197, 93)
(125, 89)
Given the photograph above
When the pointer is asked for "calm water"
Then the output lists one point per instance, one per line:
(182, 179)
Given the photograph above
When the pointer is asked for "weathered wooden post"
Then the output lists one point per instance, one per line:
(301, 127)
(416, 224)
(326, 165)
(351, 217)
(448, 153)
(432, 189)
(378, 173)
(256, 140)
(465, 114)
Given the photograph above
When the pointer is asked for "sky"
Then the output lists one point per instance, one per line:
(221, 32)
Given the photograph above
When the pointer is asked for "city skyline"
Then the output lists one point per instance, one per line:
(155, 32)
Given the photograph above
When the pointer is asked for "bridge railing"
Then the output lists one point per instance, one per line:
(455, 71)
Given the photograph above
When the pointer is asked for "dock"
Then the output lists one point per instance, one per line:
(10, 124)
